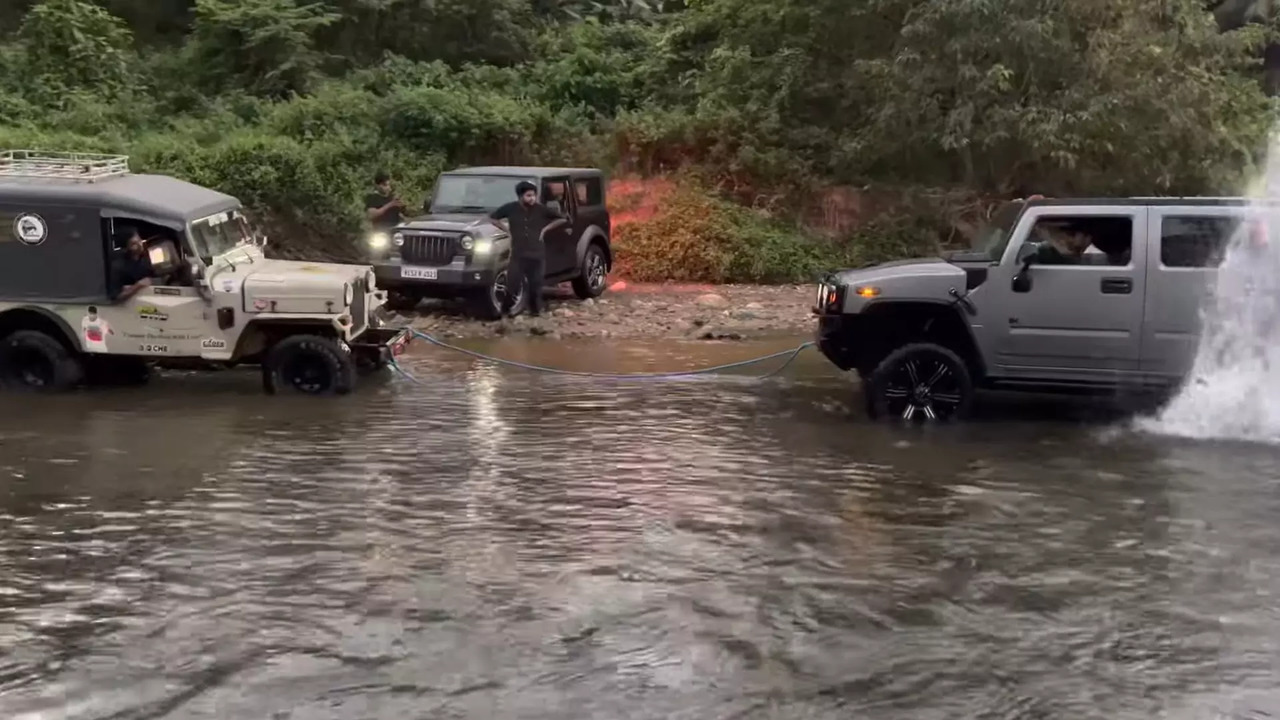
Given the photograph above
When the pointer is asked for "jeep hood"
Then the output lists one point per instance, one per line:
(285, 286)
(449, 222)
(922, 279)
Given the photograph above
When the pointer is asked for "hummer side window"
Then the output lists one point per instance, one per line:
(1082, 240)
(1196, 242)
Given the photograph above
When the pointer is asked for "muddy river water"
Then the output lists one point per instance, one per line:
(492, 543)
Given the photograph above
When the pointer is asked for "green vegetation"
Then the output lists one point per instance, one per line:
(914, 115)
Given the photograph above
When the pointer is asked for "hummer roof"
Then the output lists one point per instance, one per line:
(1152, 201)
(103, 181)
(520, 171)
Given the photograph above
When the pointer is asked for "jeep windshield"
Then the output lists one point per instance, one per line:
(474, 193)
(994, 237)
(218, 234)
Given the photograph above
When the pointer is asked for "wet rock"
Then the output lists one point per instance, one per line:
(564, 313)
(753, 306)
(713, 300)
(538, 330)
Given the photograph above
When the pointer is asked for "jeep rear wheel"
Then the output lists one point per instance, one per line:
(921, 382)
(595, 272)
(488, 303)
(310, 365)
(33, 361)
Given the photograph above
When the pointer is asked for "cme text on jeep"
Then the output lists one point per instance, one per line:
(925, 335)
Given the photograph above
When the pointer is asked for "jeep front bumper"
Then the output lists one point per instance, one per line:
(454, 278)
(379, 346)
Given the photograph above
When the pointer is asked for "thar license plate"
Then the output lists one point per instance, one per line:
(418, 273)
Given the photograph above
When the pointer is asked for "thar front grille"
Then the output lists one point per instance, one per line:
(428, 249)
(358, 317)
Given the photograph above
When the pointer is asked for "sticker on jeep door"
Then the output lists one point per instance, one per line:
(213, 344)
(149, 349)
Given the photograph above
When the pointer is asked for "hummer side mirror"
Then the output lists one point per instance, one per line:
(1027, 255)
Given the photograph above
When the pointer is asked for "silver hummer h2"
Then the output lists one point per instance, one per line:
(1083, 295)
(214, 299)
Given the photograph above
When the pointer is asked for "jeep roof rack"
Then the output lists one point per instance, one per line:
(80, 167)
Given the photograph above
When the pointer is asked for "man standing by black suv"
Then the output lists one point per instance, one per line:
(527, 221)
(382, 208)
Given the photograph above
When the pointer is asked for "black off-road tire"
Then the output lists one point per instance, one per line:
(116, 370)
(34, 362)
(310, 365)
(487, 304)
(398, 301)
(594, 276)
(920, 382)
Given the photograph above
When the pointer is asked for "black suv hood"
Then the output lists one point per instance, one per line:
(445, 221)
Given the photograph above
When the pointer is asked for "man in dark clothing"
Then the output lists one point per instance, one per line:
(133, 271)
(383, 209)
(527, 221)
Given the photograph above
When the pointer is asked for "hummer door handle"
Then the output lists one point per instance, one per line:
(1117, 286)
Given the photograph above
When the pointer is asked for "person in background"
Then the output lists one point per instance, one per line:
(383, 209)
(133, 271)
(527, 221)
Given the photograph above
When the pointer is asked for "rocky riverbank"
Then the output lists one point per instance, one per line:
(694, 312)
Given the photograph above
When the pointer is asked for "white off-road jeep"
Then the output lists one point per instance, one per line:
(215, 299)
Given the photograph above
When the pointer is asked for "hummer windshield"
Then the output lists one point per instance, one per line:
(994, 237)
(474, 193)
(220, 233)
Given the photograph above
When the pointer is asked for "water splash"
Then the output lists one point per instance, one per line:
(1233, 390)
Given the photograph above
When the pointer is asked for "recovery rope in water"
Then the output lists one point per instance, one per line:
(791, 355)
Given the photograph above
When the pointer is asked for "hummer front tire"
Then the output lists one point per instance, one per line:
(309, 365)
(919, 382)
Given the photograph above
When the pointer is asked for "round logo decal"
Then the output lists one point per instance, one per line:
(30, 229)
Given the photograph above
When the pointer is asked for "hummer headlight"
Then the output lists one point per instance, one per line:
(468, 242)
(378, 240)
(397, 239)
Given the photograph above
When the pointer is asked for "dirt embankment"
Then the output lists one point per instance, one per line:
(725, 312)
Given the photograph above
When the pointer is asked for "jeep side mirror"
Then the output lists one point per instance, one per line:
(555, 206)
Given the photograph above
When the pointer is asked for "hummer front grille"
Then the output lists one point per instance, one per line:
(428, 249)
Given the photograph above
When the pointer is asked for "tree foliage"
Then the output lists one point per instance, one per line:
(293, 104)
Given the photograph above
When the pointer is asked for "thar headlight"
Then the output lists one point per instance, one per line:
(379, 240)
(468, 242)
(348, 294)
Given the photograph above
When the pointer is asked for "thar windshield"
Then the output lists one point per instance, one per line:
(216, 234)
(474, 193)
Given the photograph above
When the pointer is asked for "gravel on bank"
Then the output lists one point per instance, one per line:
(694, 312)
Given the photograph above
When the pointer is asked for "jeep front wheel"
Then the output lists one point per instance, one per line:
(921, 382)
(310, 365)
(595, 272)
(31, 360)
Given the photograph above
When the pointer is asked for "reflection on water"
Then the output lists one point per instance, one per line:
(498, 544)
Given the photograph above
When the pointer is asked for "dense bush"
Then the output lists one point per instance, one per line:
(292, 105)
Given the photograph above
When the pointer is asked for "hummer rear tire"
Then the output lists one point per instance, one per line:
(32, 361)
(310, 365)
